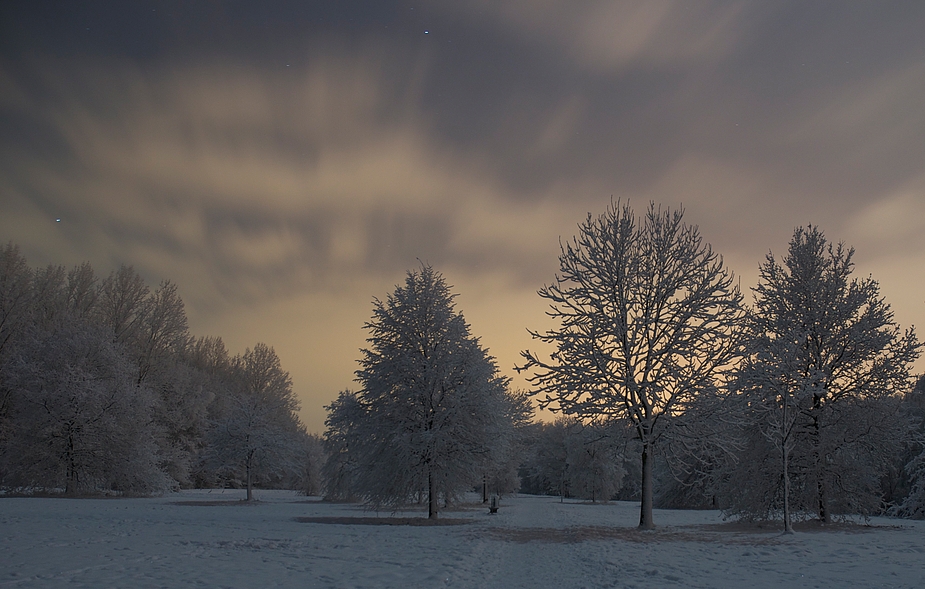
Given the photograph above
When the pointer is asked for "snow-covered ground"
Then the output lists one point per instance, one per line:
(209, 539)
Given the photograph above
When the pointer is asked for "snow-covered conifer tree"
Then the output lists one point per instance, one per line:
(432, 400)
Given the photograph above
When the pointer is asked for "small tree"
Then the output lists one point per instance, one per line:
(824, 368)
(912, 464)
(648, 315)
(259, 432)
(308, 477)
(509, 442)
(345, 417)
(432, 403)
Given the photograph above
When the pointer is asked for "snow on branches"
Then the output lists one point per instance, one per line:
(647, 318)
(433, 414)
(820, 384)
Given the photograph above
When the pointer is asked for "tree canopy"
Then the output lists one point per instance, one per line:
(821, 382)
(432, 412)
(647, 318)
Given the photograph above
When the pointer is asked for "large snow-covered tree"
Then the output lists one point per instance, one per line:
(821, 380)
(163, 333)
(432, 404)
(121, 304)
(80, 422)
(15, 318)
(648, 317)
(180, 386)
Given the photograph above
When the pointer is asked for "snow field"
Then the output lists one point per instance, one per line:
(209, 539)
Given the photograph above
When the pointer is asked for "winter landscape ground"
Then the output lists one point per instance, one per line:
(211, 539)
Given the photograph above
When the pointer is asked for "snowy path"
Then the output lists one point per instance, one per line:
(532, 542)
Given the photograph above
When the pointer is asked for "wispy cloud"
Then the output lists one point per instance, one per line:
(605, 37)
(282, 197)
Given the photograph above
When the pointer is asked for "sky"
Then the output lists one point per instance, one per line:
(285, 163)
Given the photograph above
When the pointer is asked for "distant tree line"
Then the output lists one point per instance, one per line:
(104, 390)
(671, 388)
(800, 405)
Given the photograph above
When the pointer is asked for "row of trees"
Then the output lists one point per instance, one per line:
(795, 404)
(571, 459)
(800, 403)
(103, 389)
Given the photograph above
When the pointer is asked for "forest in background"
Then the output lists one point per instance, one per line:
(808, 408)
(104, 390)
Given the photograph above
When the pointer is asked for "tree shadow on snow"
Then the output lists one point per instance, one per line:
(383, 521)
(743, 533)
(217, 502)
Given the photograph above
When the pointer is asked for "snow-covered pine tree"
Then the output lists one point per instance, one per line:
(433, 404)
(821, 381)
(648, 319)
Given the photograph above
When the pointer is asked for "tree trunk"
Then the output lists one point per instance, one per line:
(645, 508)
(71, 484)
(250, 494)
(788, 526)
(432, 496)
(821, 495)
(824, 515)
(785, 459)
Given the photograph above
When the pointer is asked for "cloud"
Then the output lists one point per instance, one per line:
(247, 187)
(606, 37)
(893, 224)
(863, 122)
(282, 199)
